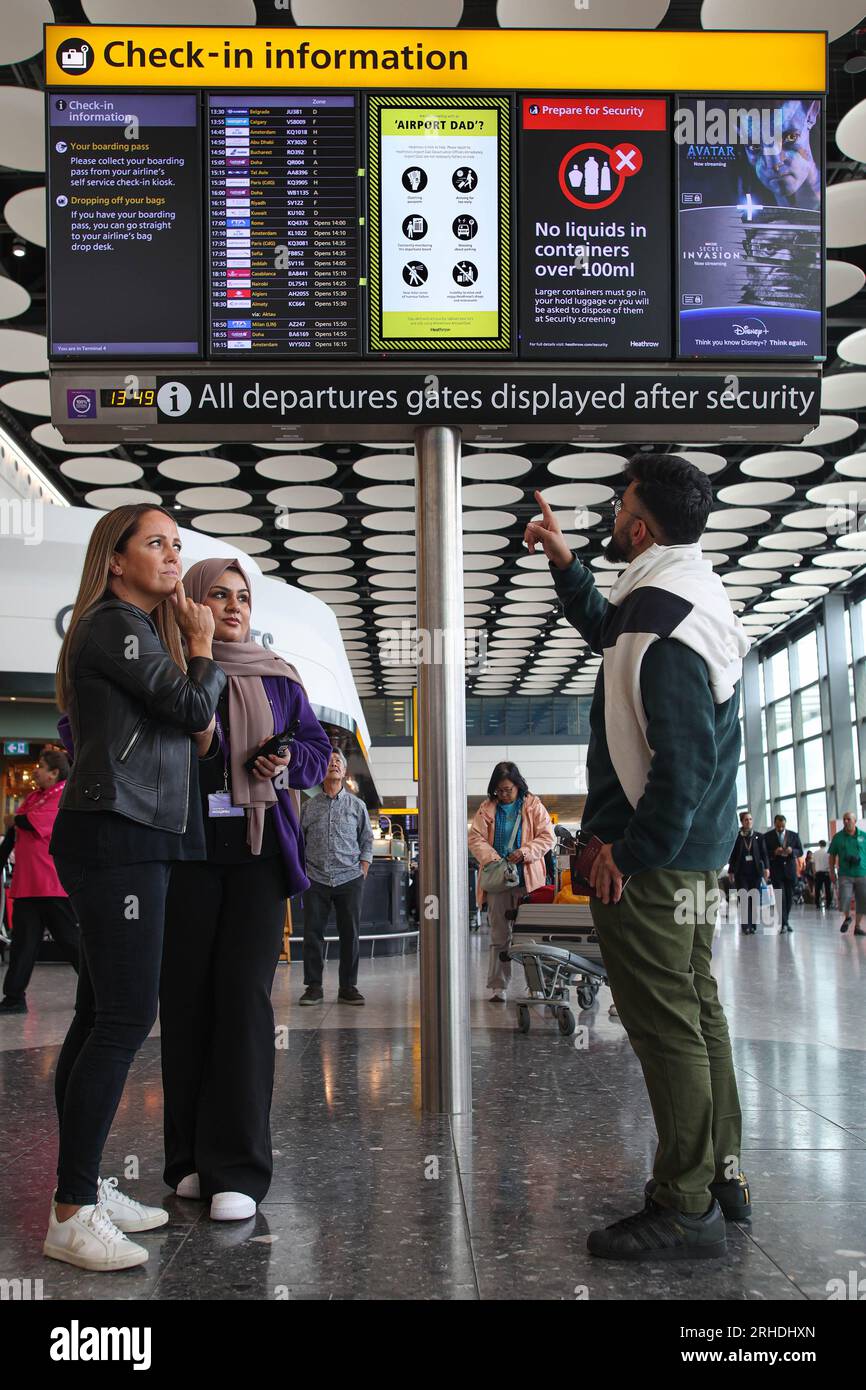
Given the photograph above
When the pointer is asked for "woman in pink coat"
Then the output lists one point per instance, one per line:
(509, 803)
(39, 898)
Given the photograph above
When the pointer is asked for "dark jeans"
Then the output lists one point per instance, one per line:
(823, 886)
(346, 898)
(223, 937)
(30, 918)
(121, 910)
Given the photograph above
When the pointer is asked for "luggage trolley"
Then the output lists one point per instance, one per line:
(557, 945)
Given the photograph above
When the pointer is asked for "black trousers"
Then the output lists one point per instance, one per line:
(786, 889)
(346, 898)
(223, 937)
(121, 911)
(823, 886)
(31, 917)
(748, 902)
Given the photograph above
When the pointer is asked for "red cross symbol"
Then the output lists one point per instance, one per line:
(627, 159)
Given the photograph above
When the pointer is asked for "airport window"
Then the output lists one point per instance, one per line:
(786, 784)
(780, 683)
(815, 828)
(806, 655)
(782, 726)
(810, 710)
(813, 759)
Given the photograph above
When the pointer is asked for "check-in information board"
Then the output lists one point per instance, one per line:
(594, 227)
(124, 179)
(440, 245)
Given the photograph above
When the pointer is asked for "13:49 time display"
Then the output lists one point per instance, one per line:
(120, 396)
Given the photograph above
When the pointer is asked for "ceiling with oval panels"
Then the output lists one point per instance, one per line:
(339, 520)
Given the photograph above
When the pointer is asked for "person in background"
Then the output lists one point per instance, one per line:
(784, 848)
(823, 882)
(131, 703)
(339, 841)
(509, 805)
(225, 914)
(661, 773)
(809, 876)
(749, 868)
(847, 851)
(41, 902)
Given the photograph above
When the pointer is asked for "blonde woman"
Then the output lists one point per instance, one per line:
(132, 704)
(511, 824)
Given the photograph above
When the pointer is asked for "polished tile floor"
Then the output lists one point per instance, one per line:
(373, 1200)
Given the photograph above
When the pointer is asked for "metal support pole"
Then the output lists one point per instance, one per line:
(446, 1077)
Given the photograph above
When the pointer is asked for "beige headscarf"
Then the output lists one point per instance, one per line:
(251, 722)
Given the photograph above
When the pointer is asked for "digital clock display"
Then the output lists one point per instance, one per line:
(122, 397)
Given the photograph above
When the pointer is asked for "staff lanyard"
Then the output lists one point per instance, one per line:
(224, 748)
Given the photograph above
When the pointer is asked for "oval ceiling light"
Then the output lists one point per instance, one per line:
(790, 463)
(385, 14)
(738, 516)
(390, 544)
(853, 347)
(767, 493)
(805, 540)
(563, 14)
(32, 395)
(199, 470)
(305, 497)
(837, 16)
(170, 11)
(490, 495)
(213, 498)
(785, 558)
(252, 545)
(316, 545)
(810, 518)
(312, 522)
(846, 213)
(107, 498)
(577, 494)
(852, 466)
(487, 520)
(24, 352)
(387, 468)
(25, 213)
(295, 468)
(14, 299)
(22, 124)
(387, 495)
(723, 540)
(474, 544)
(101, 470)
(847, 492)
(227, 523)
(322, 564)
(494, 467)
(851, 133)
(843, 391)
(587, 466)
(843, 281)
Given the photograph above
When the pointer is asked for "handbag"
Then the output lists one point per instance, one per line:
(499, 876)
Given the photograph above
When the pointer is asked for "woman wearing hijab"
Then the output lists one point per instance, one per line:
(225, 915)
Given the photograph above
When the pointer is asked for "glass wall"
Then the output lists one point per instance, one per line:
(803, 757)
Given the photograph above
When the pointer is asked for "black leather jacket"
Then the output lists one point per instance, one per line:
(131, 714)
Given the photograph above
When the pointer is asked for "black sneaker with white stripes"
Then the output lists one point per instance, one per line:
(659, 1233)
(732, 1195)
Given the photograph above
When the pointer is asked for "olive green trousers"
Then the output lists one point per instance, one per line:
(657, 947)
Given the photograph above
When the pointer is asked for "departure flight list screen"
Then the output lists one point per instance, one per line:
(284, 234)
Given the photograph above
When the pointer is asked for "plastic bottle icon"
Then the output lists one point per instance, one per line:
(590, 171)
(575, 177)
(605, 177)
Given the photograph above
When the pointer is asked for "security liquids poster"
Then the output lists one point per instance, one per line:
(749, 227)
(439, 223)
(594, 227)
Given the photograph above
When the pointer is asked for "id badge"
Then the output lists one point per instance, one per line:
(750, 858)
(220, 804)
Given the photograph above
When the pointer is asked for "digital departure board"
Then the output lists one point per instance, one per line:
(749, 208)
(124, 225)
(283, 223)
(440, 238)
(594, 229)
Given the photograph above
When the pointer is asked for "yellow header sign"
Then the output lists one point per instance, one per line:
(107, 55)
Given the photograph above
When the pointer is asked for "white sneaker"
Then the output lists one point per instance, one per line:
(612, 1013)
(189, 1187)
(90, 1240)
(498, 997)
(126, 1213)
(231, 1206)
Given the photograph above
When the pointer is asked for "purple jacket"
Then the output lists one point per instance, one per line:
(311, 752)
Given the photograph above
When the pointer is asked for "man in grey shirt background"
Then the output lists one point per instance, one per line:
(338, 842)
